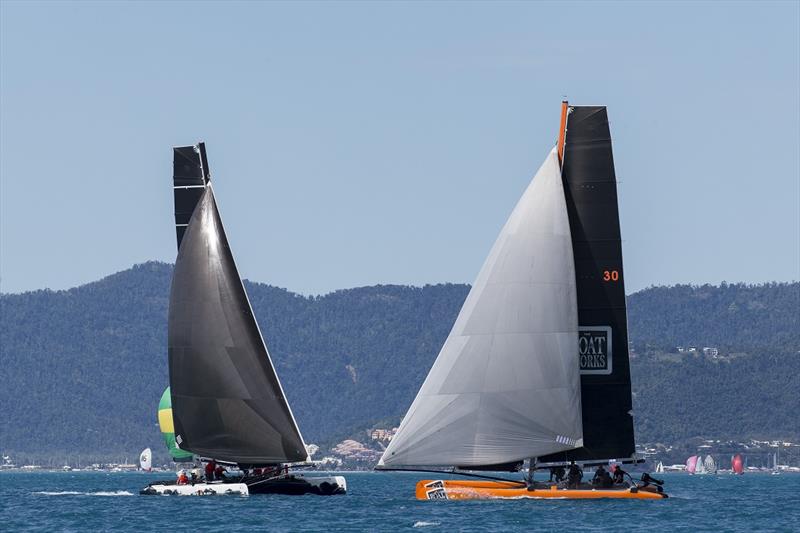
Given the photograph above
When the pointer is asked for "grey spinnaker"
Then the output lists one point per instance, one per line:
(226, 397)
(590, 185)
(505, 385)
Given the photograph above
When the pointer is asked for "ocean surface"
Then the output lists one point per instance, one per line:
(87, 501)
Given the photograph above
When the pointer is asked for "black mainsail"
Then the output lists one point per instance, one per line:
(190, 175)
(590, 186)
(227, 401)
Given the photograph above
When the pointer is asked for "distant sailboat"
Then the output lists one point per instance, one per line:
(660, 468)
(699, 468)
(737, 464)
(709, 465)
(691, 464)
(226, 398)
(535, 368)
(146, 460)
(775, 470)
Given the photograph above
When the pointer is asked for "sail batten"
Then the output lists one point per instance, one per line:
(505, 385)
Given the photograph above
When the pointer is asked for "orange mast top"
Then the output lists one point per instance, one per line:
(562, 130)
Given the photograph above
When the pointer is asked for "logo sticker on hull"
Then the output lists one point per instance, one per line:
(594, 350)
(435, 490)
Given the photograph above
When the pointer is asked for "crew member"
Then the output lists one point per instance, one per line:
(210, 466)
(574, 475)
(599, 475)
(182, 479)
(619, 475)
(557, 474)
(219, 473)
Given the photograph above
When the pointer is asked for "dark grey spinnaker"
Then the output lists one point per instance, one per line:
(227, 401)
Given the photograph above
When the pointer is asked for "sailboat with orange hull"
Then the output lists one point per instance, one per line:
(535, 372)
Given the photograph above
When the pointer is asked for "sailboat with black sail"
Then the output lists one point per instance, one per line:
(535, 370)
(227, 401)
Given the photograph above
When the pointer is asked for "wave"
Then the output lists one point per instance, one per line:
(422, 523)
(77, 493)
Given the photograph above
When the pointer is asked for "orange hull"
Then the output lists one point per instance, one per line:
(486, 490)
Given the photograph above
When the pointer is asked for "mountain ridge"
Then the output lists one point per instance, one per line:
(84, 367)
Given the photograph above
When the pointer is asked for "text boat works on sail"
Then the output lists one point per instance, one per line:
(535, 369)
(226, 399)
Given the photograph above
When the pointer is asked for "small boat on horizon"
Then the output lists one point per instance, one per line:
(146, 460)
(535, 372)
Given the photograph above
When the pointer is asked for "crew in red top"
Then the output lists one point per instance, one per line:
(210, 467)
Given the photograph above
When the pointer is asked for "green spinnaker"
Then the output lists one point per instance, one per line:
(167, 426)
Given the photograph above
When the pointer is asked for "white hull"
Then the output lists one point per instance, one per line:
(299, 484)
(202, 489)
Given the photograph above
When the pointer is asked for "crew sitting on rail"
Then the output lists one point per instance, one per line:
(210, 466)
(619, 475)
(597, 480)
(557, 474)
(602, 478)
(574, 475)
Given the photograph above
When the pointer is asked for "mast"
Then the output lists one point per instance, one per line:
(590, 187)
(226, 396)
(562, 131)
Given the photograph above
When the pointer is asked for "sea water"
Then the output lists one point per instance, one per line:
(83, 501)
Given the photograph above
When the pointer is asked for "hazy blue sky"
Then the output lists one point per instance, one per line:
(354, 144)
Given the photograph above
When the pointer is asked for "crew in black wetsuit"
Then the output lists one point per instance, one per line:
(606, 482)
(619, 475)
(599, 475)
(574, 476)
(557, 474)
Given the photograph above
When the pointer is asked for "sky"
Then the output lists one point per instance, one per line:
(353, 144)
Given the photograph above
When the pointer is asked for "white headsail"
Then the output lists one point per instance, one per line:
(506, 384)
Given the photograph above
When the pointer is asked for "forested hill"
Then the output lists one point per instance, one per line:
(83, 369)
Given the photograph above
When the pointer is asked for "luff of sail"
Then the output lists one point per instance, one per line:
(226, 397)
(505, 385)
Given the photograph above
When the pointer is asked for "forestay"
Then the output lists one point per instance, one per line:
(505, 385)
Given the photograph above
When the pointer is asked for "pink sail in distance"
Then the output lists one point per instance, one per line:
(691, 464)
